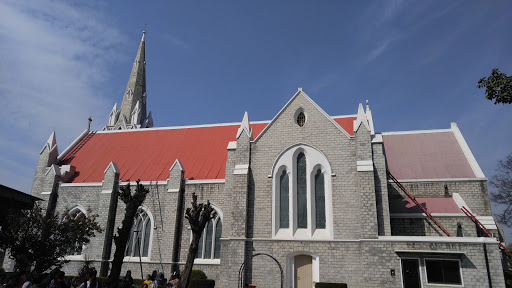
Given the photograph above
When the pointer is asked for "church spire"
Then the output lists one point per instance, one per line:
(133, 107)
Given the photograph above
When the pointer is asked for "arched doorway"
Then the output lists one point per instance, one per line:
(302, 269)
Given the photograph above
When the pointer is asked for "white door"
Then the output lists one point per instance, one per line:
(303, 271)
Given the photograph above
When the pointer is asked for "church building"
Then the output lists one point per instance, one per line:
(305, 197)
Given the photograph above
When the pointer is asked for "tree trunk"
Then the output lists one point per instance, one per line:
(192, 253)
(198, 215)
(123, 233)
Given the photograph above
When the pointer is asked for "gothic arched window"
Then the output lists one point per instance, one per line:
(76, 213)
(140, 234)
(209, 244)
(302, 195)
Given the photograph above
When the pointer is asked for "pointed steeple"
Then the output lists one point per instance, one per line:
(136, 88)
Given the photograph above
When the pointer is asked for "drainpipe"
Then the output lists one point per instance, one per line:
(178, 225)
(487, 266)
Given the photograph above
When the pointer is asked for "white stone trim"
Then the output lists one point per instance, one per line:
(51, 143)
(245, 126)
(205, 181)
(344, 116)
(106, 191)
(300, 92)
(78, 139)
(430, 251)
(46, 193)
(369, 118)
(145, 183)
(232, 145)
(178, 163)
(416, 132)
(377, 138)
(241, 169)
(207, 261)
(181, 127)
(459, 201)
(364, 168)
(438, 180)
(361, 118)
(467, 152)
(488, 222)
(423, 215)
(173, 190)
(365, 165)
(114, 168)
(434, 239)
(82, 184)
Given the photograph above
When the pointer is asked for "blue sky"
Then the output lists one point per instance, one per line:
(417, 62)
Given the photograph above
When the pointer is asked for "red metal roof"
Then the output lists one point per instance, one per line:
(432, 205)
(430, 155)
(347, 123)
(148, 154)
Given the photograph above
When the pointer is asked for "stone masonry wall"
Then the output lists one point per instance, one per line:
(321, 134)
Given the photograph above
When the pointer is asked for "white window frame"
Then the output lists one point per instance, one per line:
(443, 285)
(83, 211)
(219, 217)
(314, 160)
(152, 224)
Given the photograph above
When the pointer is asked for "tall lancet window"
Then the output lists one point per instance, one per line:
(209, 243)
(319, 200)
(302, 193)
(284, 199)
(140, 236)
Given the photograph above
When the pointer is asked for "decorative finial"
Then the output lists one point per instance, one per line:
(144, 33)
(300, 88)
(90, 120)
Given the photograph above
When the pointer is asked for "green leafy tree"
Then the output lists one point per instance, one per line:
(133, 202)
(39, 242)
(502, 181)
(198, 215)
(498, 87)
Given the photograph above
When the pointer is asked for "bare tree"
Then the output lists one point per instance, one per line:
(198, 215)
(133, 202)
(502, 181)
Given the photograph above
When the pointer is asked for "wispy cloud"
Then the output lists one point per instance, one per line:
(175, 41)
(55, 55)
(386, 23)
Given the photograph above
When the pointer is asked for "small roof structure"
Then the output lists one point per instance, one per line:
(12, 198)
(432, 205)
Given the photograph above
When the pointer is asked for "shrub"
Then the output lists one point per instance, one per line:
(330, 285)
(202, 283)
(197, 275)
